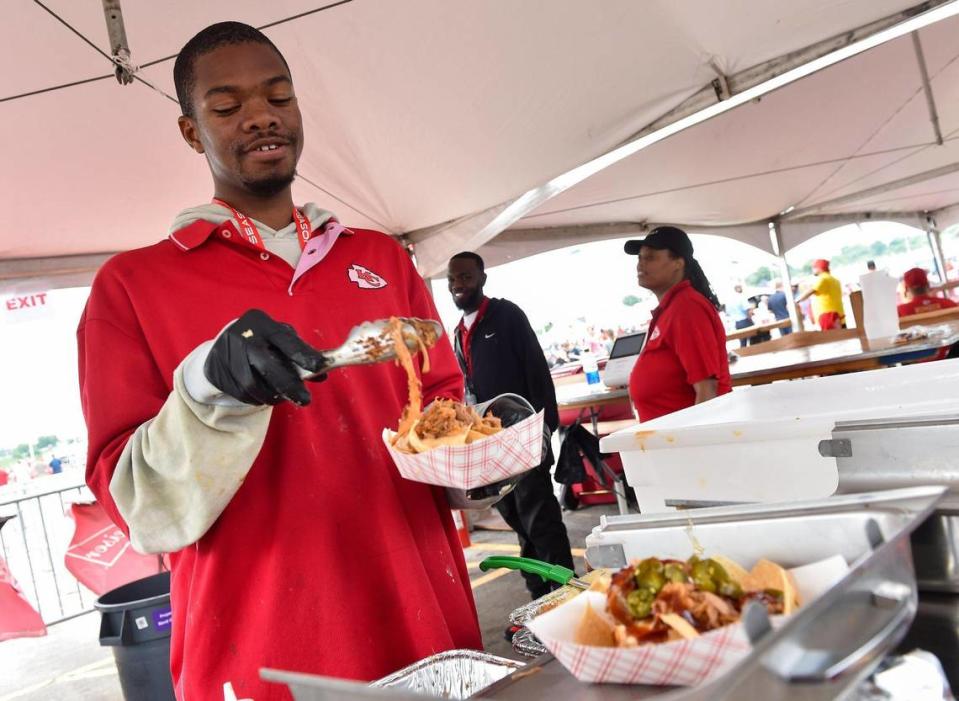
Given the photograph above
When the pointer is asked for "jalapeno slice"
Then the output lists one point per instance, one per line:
(675, 572)
(649, 575)
(640, 602)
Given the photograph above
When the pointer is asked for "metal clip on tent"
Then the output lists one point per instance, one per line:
(119, 49)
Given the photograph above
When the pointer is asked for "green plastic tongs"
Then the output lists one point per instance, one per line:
(549, 573)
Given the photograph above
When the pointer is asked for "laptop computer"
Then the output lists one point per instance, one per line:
(622, 358)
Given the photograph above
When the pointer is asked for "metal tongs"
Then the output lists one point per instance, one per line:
(549, 573)
(370, 343)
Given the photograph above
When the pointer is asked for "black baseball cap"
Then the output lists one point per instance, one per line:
(664, 238)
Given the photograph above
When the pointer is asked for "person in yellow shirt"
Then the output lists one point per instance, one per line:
(827, 298)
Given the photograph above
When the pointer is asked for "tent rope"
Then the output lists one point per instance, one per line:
(125, 63)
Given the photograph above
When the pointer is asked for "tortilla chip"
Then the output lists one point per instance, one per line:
(680, 625)
(768, 575)
(735, 571)
(594, 629)
(601, 583)
(402, 443)
(472, 436)
(622, 638)
(421, 445)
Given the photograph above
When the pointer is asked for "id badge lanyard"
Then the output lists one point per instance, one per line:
(252, 234)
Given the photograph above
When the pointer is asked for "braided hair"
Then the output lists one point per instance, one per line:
(697, 278)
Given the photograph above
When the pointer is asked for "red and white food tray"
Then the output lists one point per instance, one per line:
(512, 451)
(677, 663)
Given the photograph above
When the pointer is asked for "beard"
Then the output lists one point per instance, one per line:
(270, 185)
(471, 301)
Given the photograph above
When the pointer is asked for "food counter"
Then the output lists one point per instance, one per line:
(833, 466)
(829, 647)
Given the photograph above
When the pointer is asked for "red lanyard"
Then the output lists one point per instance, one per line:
(466, 336)
(248, 228)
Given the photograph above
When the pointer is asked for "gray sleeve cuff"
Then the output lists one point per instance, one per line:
(197, 386)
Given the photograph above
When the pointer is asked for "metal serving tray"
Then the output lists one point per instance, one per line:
(832, 643)
(822, 652)
(455, 674)
(849, 526)
(790, 533)
(886, 454)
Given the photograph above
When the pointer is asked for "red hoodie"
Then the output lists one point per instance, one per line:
(325, 561)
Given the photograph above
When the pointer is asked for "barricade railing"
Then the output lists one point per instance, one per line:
(34, 540)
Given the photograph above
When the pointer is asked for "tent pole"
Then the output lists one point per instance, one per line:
(475, 230)
(927, 88)
(935, 243)
(874, 191)
(775, 234)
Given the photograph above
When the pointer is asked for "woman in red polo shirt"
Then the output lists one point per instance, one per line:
(684, 361)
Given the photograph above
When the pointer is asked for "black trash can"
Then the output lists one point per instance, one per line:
(136, 620)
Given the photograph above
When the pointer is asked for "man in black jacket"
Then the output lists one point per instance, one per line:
(499, 353)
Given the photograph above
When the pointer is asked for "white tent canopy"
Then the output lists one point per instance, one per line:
(427, 118)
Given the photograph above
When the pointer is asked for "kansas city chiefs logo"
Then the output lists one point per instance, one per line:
(365, 278)
(655, 334)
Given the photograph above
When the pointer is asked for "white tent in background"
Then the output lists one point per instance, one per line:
(453, 123)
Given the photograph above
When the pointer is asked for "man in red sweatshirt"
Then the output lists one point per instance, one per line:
(921, 299)
(295, 543)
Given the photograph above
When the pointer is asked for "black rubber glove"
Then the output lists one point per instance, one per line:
(253, 361)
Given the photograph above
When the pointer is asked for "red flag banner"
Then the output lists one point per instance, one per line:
(18, 619)
(100, 556)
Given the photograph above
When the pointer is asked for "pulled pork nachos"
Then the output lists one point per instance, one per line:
(656, 601)
(445, 421)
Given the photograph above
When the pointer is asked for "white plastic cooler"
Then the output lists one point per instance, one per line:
(772, 442)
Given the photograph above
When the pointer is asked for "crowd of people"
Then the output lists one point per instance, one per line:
(24, 470)
(822, 302)
(598, 341)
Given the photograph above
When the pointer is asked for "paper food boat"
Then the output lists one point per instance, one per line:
(676, 663)
(510, 452)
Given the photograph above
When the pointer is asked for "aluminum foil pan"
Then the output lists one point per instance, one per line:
(455, 674)
(527, 644)
(524, 642)
(528, 612)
